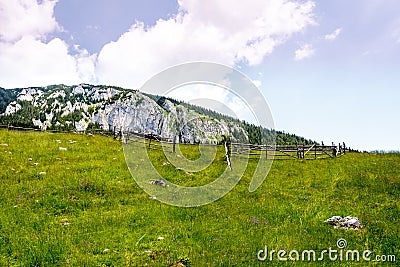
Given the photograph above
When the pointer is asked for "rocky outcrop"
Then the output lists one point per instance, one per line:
(120, 109)
(13, 107)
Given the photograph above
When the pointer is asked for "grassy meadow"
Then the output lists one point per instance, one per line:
(81, 207)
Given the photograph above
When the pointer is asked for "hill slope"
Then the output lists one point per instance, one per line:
(81, 207)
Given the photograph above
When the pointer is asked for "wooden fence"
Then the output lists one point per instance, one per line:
(313, 151)
(302, 152)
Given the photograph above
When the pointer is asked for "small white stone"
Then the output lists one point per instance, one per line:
(160, 238)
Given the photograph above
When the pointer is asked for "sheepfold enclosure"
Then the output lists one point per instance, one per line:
(268, 152)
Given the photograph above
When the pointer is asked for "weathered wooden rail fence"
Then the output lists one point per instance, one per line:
(313, 151)
(302, 152)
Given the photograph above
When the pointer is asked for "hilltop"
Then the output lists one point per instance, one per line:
(84, 107)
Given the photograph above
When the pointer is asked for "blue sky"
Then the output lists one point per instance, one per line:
(328, 69)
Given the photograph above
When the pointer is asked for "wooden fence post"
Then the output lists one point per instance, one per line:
(315, 152)
(334, 150)
(227, 155)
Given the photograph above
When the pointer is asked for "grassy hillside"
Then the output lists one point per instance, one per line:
(81, 207)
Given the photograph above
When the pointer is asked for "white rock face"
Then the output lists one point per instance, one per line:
(57, 94)
(78, 90)
(135, 114)
(169, 106)
(114, 108)
(97, 94)
(29, 94)
(81, 125)
(12, 108)
(141, 114)
(37, 123)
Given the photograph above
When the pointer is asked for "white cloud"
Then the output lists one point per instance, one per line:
(26, 17)
(305, 51)
(30, 62)
(332, 36)
(26, 59)
(224, 31)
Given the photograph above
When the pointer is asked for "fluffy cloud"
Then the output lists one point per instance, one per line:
(332, 36)
(26, 59)
(228, 32)
(26, 17)
(305, 51)
(30, 62)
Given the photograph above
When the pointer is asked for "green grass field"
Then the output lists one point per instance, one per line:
(81, 207)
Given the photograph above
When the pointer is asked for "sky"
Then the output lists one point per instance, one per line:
(329, 70)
